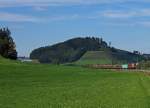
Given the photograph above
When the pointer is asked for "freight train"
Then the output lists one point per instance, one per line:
(106, 66)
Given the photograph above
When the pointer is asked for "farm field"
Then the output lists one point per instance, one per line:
(51, 86)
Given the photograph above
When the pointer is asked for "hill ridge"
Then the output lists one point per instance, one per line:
(75, 49)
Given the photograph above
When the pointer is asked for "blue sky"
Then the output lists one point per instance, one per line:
(36, 23)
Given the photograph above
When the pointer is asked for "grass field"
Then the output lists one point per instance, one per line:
(49, 86)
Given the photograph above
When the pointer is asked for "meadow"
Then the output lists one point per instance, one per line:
(25, 85)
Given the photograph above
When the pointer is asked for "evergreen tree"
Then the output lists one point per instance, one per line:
(7, 45)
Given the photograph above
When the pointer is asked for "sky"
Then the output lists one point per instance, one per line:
(37, 23)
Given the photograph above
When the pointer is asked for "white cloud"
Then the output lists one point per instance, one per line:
(14, 3)
(126, 13)
(39, 8)
(13, 17)
(118, 14)
(10, 17)
(144, 23)
(65, 17)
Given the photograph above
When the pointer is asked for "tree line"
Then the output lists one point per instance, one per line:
(7, 44)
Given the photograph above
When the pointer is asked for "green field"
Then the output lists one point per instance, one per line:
(50, 86)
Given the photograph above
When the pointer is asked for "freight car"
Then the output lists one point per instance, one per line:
(132, 66)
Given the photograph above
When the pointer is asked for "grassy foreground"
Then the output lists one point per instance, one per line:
(48, 86)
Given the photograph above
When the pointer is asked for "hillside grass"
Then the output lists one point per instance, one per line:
(51, 86)
(95, 57)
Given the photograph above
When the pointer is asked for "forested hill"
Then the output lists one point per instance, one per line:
(77, 48)
(68, 51)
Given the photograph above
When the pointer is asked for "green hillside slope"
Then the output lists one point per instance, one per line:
(10, 62)
(109, 57)
(95, 57)
(5, 61)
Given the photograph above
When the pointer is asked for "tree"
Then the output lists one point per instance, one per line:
(7, 45)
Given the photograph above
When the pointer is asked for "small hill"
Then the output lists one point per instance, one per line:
(89, 50)
(68, 51)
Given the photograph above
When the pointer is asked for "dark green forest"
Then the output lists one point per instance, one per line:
(7, 45)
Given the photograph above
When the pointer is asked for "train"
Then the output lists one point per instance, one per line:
(108, 66)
